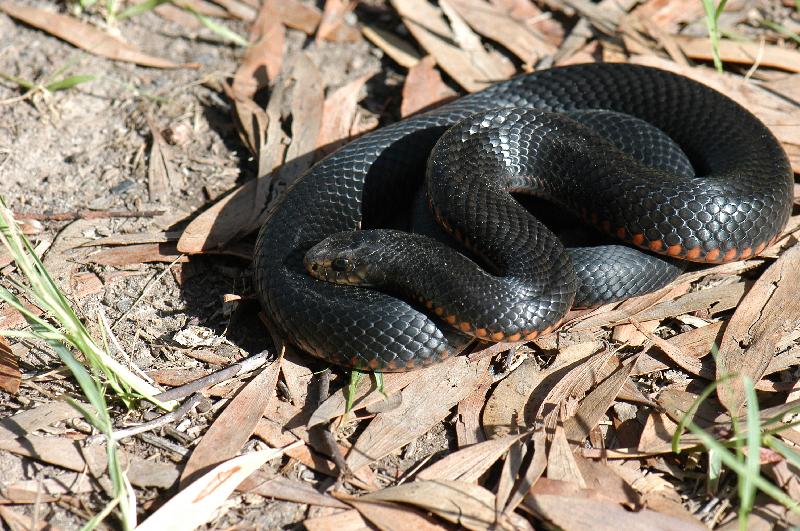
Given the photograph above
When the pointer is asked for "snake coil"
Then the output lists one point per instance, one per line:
(735, 207)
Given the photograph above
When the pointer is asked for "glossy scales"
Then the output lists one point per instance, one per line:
(740, 204)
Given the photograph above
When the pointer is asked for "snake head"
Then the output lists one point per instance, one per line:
(350, 258)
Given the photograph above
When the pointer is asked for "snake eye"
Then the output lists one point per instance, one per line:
(340, 264)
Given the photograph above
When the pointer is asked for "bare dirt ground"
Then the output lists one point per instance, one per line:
(119, 181)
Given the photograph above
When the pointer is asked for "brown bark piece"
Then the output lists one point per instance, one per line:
(472, 68)
(424, 88)
(769, 311)
(234, 426)
(84, 36)
(425, 402)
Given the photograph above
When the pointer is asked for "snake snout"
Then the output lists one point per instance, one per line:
(340, 259)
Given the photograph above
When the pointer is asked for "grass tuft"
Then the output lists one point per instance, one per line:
(713, 12)
(63, 331)
(741, 454)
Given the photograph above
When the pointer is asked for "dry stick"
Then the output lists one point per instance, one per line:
(328, 439)
(191, 388)
(87, 214)
(231, 371)
(153, 424)
(164, 444)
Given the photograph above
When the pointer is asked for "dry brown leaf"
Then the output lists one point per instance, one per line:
(691, 364)
(175, 377)
(469, 463)
(160, 170)
(30, 420)
(86, 37)
(582, 513)
(342, 521)
(308, 100)
(276, 435)
(179, 16)
(338, 115)
(283, 488)
(138, 254)
(424, 88)
(284, 422)
(677, 399)
(223, 222)
(558, 400)
(133, 238)
(769, 311)
(655, 492)
(426, 401)
(509, 410)
(468, 424)
(263, 58)
(198, 502)
(556, 487)
(496, 24)
(238, 9)
(535, 469)
(19, 522)
(669, 14)
(244, 209)
(71, 455)
(388, 516)
(465, 504)
(251, 119)
(297, 15)
(593, 407)
(657, 433)
(619, 312)
(561, 463)
(767, 515)
(234, 426)
(511, 470)
(689, 346)
(710, 301)
(789, 87)
(540, 22)
(746, 52)
(472, 68)
(204, 7)
(399, 50)
(297, 375)
(333, 27)
(602, 477)
(629, 335)
(10, 375)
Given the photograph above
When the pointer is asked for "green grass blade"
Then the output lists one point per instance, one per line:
(788, 453)
(730, 461)
(223, 31)
(23, 83)
(68, 82)
(774, 26)
(747, 487)
(712, 17)
(141, 7)
(687, 417)
(714, 472)
(355, 377)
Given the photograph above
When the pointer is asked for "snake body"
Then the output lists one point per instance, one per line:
(509, 136)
